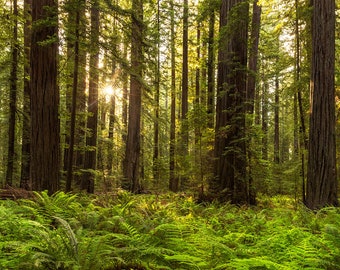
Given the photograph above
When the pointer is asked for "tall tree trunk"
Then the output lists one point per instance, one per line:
(69, 176)
(45, 128)
(253, 56)
(321, 174)
(277, 123)
(264, 122)
(251, 85)
(79, 140)
(173, 182)
(25, 148)
(230, 148)
(12, 98)
(298, 102)
(131, 164)
(125, 95)
(211, 69)
(90, 163)
(184, 146)
(156, 173)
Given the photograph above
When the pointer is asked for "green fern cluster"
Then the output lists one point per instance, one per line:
(124, 231)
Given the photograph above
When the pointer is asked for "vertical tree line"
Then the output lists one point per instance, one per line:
(192, 102)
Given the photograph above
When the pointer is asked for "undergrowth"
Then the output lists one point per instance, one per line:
(122, 231)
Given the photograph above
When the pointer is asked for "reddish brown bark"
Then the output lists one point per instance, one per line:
(45, 130)
(321, 173)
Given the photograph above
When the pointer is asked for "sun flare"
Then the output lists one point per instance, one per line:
(108, 90)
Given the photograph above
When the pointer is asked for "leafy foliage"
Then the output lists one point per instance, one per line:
(121, 231)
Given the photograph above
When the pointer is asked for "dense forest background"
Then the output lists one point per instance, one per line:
(210, 97)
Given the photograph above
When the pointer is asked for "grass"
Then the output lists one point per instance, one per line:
(121, 231)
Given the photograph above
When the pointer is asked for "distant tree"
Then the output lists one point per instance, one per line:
(184, 139)
(45, 130)
(13, 98)
(173, 182)
(90, 163)
(131, 164)
(211, 67)
(74, 20)
(321, 173)
(251, 85)
(156, 155)
(277, 122)
(25, 148)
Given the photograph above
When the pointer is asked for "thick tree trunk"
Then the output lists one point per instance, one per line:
(131, 164)
(45, 129)
(321, 174)
(230, 148)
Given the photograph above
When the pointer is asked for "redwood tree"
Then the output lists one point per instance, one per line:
(45, 129)
(131, 168)
(230, 149)
(13, 98)
(25, 148)
(321, 173)
(90, 162)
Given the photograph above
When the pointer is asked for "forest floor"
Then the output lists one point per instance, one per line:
(124, 231)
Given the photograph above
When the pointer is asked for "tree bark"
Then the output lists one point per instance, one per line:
(156, 172)
(277, 123)
(173, 182)
(90, 163)
(69, 176)
(253, 56)
(25, 148)
(184, 136)
(12, 98)
(230, 148)
(321, 173)
(45, 129)
(131, 164)
(211, 69)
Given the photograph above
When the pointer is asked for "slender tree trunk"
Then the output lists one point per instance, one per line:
(125, 96)
(131, 164)
(264, 122)
(45, 128)
(173, 182)
(321, 174)
(13, 99)
(69, 176)
(156, 173)
(277, 123)
(251, 86)
(253, 56)
(298, 102)
(184, 146)
(90, 163)
(211, 69)
(25, 148)
(79, 140)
